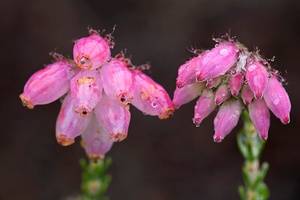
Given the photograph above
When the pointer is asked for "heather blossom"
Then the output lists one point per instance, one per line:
(96, 91)
(230, 79)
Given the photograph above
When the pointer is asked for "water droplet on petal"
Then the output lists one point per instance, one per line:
(223, 52)
(251, 68)
(276, 101)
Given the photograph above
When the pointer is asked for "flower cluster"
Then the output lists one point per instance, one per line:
(96, 91)
(230, 78)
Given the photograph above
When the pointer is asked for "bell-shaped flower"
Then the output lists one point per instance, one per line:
(247, 95)
(260, 117)
(91, 52)
(217, 61)
(113, 117)
(150, 97)
(117, 81)
(86, 89)
(257, 78)
(235, 82)
(204, 106)
(95, 140)
(226, 119)
(187, 72)
(222, 94)
(69, 125)
(187, 93)
(278, 100)
(48, 84)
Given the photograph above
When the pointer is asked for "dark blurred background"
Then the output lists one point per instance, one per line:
(161, 160)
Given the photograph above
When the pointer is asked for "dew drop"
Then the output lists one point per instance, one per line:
(224, 52)
(251, 68)
(276, 101)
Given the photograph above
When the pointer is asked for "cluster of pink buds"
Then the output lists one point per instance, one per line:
(96, 91)
(229, 78)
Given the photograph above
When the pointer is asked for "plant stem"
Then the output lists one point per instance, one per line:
(95, 181)
(251, 147)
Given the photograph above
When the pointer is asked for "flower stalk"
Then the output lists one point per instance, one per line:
(251, 147)
(95, 180)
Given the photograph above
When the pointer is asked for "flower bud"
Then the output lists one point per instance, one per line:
(260, 117)
(86, 89)
(217, 61)
(278, 100)
(117, 81)
(214, 82)
(187, 72)
(69, 125)
(95, 140)
(91, 52)
(257, 78)
(204, 106)
(222, 94)
(247, 94)
(226, 119)
(48, 84)
(235, 82)
(150, 97)
(113, 117)
(187, 93)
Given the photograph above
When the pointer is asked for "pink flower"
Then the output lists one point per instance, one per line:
(257, 78)
(217, 61)
(214, 82)
(187, 93)
(187, 72)
(95, 140)
(117, 81)
(69, 125)
(48, 84)
(278, 100)
(247, 94)
(113, 117)
(235, 82)
(91, 52)
(204, 106)
(150, 97)
(226, 119)
(260, 116)
(222, 94)
(86, 89)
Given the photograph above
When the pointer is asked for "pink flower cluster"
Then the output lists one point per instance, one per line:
(229, 78)
(96, 90)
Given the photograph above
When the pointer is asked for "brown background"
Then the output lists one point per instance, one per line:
(161, 160)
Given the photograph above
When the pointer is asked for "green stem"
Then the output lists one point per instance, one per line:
(251, 147)
(95, 181)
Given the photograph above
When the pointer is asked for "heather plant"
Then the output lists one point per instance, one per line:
(97, 90)
(236, 82)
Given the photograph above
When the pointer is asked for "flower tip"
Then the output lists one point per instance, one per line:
(118, 137)
(286, 119)
(180, 84)
(26, 102)
(95, 156)
(64, 140)
(124, 97)
(197, 120)
(263, 136)
(218, 138)
(83, 110)
(166, 113)
(200, 77)
(258, 95)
